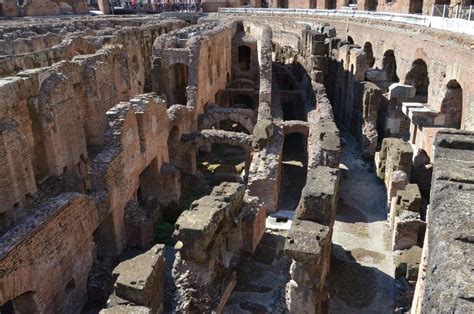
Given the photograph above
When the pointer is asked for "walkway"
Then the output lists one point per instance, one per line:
(361, 277)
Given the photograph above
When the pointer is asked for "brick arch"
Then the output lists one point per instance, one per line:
(417, 77)
(244, 117)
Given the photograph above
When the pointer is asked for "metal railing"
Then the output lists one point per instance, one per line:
(153, 6)
(456, 11)
(436, 22)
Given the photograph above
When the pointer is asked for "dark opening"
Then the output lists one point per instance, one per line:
(179, 73)
(451, 104)
(104, 238)
(370, 5)
(173, 147)
(282, 219)
(244, 58)
(369, 55)
(5, 221)
(418, 77)
(243, 101)
(294, 165)
(293, 110)
(70, 285)
(24, 303)
(148, 191)
(7, 308)
(330, 4)
(416, 6)
(389, 67)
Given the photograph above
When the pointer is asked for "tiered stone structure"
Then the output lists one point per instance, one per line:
(105, 125)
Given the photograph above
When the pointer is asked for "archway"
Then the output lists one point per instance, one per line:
(24, 303)
(451, 104)
(389, 67)
(416, 6)
(369, 55)
(418, 77)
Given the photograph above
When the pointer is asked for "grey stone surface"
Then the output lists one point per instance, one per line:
(318, 199)
(449, 283)
(140, 279)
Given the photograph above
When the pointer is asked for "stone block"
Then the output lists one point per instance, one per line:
(140, 279)
(318, 48)
(407, 263)
(253, 224)
(196, 228)
(306, 241)
(319, 196)
(401, 92)
(406, 230)
(127, 308)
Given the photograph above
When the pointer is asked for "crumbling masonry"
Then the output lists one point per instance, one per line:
(231, 131)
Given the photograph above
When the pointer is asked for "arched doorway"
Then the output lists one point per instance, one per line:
(24, 303)
(418, 77)
(451, 104)
(389, 67)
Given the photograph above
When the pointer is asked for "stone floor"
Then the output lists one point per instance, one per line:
(262, 278)
(361, 277)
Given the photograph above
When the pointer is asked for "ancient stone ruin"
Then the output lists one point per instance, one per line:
(229, 163)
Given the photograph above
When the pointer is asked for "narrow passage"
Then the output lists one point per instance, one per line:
(362, 269)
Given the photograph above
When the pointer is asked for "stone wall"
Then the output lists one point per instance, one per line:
(46, 258)
(210, 240)
(57, 119)
(448, 280)
(57, 128)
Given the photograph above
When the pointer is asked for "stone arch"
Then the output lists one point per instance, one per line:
(415, 6)
(418, 77)
(389, 67)
(369, 55)
(296, 127)
(244, 56)
(178, 75)
(242, 117)
(24, 303)
(451, 105)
